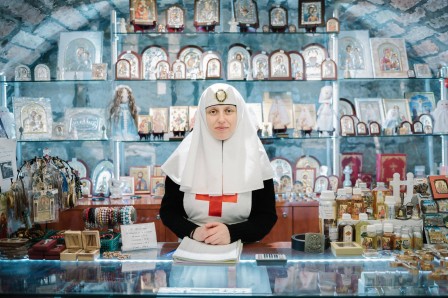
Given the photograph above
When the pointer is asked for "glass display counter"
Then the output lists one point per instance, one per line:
(152, 272)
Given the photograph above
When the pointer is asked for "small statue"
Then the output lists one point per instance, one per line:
(347, 172)
(85, 190)
(440, 115)
(325, 112)
(393, 119)
(122, 26)
(233, 25)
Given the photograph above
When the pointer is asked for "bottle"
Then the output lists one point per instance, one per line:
(379, 236)
(368, 200)
(379, 193)
(343, 204)
(327, 211)
(390, 207)
(333, 233)
(397, 239)
(406, 241)
(357, 203)
(346, 229)
(369, 239)
(418, 238)
(388, 237)
(361, 227)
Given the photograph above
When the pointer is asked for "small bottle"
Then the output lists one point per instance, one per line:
(397, 239)
(333, 233)
(388, 237)
(361, 227)
(390, 207)
(406, 241)
(368, 200)
(379, 236)
(346, 229)
(369, 239)
(343, 204)
(418, 238)
(357, 203)
(379, 193)
(327, 211)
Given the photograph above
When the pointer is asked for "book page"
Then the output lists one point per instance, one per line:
(195, 251)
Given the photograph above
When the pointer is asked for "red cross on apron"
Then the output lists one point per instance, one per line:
(215, 207)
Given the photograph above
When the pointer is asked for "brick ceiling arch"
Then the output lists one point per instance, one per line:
(29, 29)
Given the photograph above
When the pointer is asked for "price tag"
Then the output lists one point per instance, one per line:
(138, 236)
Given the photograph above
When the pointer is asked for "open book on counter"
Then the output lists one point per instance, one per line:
(192, 251)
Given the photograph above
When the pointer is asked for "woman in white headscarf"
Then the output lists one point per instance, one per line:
(219, 185)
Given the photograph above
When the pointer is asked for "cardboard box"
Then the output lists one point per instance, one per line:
(73, 243)
(91, 244)
(346, 249)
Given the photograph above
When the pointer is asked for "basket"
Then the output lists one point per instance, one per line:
(110, 244)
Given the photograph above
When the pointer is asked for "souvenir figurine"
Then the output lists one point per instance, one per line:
(347, 172)
(440, 115)
(123, 115)
(393, 119)
(325, 112)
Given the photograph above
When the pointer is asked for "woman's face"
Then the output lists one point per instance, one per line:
(124, 96)
(221, 121)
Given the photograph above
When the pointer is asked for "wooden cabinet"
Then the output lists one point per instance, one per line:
(293, 218)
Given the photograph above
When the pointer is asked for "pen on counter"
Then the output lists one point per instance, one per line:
(170, 253)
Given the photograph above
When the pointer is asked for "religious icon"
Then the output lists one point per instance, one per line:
(143, 12)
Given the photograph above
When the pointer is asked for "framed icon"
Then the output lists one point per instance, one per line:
(99, 71)
(422, 70)
(141, 175)
(179, 70)
(314, 54)
(127, 185)
(78, 50)
(311, 13)
(246, 13)
(374, 128)
(417, 127)
(420, 103)
(347, 126)
(439, 187)
(361, 129)
(122, 70)
(42, 73)
(206, 12)
(333, 25)
(150, 56)
(369, 109)
(278, 18)
(389, 57)
(322, 183)
(175, 18)
(297, 66)
(163, 70)
(135, 63)
(329, 70)
(260, 66)
(143, 12)
(279, 65)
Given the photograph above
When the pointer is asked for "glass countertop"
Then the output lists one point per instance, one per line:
(152, 272)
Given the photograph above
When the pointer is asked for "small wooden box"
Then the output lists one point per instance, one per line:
(91, 244)
(346, 249)
(73, 242)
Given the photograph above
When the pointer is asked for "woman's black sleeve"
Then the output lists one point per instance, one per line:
(262, 217)
(172, 210)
